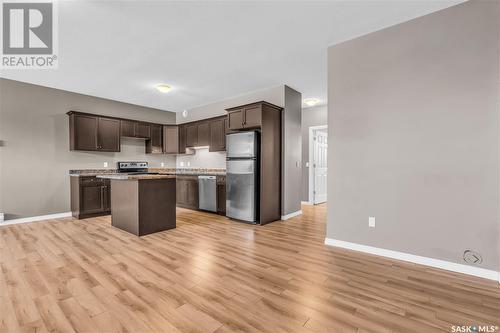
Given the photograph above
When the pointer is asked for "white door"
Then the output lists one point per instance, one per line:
(320, 150)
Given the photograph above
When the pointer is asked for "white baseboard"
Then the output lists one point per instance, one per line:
(36, 218)
(306, 203)
(289, 216)
(437, 263)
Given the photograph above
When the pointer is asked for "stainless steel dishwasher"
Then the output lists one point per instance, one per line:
(207, 192)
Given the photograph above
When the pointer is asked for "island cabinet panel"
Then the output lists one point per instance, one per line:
(171, 136)
(203, 133)
(108, 134)
(155, 144)
(218, 134)
(192, 135)
(187, 192)
(90, 197)
(93, 133)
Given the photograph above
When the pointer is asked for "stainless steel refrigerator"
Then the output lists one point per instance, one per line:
(242, 174)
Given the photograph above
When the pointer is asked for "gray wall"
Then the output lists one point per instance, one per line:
(36, 157)
(292, 152)
(414, 135)
(315, 116)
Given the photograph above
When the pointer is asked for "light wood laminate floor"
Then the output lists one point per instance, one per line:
(214, 275)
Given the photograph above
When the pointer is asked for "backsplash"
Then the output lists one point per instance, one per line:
(202, 158)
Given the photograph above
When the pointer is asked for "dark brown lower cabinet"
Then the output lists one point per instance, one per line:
(90, 197)
(221, 195)
(187, 191)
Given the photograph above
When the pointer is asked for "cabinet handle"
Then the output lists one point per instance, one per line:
(102, 197)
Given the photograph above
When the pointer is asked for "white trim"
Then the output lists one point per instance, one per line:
(289, 216)
(437, 263)
(306, 203)
(311, 160)
(36, 218)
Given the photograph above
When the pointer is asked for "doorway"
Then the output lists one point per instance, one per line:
(318, 155)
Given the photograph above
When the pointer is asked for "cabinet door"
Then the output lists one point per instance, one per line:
(128, 128)
(85, 132)
(171, 139)
(155, 144)
(108, 134)
(235, 119)
(221, 199)
(106, 198)
(192, 194)
(91, 199)
(218, 135)
(181, 191)
(192, 135)
(203, 133)
(143, 130)
(253, 116)
(182, 139)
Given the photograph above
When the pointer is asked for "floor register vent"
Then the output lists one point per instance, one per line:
(472, 257)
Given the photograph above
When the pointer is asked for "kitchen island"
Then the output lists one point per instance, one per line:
(142, 204)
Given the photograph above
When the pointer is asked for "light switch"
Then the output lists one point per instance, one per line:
(105, 164)
(162, 164)
(307, 164)
(182, 164)
(371, 222)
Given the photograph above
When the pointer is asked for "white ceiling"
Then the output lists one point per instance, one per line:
(207, 51)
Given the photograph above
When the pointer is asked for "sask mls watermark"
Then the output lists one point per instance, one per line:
(29, 35)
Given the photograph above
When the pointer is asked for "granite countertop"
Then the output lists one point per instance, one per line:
(134, 177)
(161, 171)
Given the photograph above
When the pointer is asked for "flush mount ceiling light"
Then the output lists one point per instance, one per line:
(163, 88)
(311, 101)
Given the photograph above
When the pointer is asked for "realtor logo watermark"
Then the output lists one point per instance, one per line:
(29, 35)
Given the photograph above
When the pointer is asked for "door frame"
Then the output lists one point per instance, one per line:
(311, 160)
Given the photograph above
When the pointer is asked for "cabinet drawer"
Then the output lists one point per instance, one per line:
(93, 181)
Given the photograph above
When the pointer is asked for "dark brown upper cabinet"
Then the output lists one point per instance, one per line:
(135, 129)
(248, 116)
(143, 130)
(93, 133)
(235, 119)
(218, 134)
(192, 135)
(108, 134)
(182, 138)
(128, 128)
(171, 139)
(155, 144)
(203, 133)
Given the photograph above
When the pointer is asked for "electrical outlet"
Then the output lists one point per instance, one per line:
(182, 164)
(2, 217)
(188, 163)
(105, 164)
(307, 164)
(371, 222)
(162, 164)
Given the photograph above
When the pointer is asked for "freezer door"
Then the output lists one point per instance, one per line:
(241, 145)
(241, 182)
